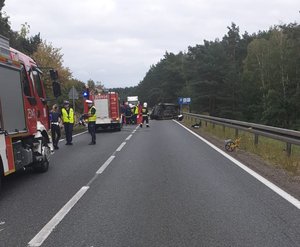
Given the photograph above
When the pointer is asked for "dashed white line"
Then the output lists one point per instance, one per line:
(103, 167)
(48, 228)
(128, 138)
(121, 146)
(266, 182)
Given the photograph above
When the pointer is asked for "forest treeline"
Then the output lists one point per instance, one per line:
(255, 78)
(250, 77)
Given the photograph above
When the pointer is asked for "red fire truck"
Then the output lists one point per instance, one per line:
(24, 120)
(107, 110)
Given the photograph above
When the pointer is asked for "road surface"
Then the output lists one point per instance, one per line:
(157, 186)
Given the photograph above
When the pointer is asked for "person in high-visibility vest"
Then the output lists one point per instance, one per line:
(67, 114)
(91, 118)
(135, 112)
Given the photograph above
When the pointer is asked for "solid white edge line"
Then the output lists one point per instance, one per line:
(49, 227)
(121, 146)
(266, 182)
(103, 167)
(128, 138)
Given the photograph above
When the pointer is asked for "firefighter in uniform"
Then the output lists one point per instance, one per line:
(145, 115)
(68, 119)
(91, 117)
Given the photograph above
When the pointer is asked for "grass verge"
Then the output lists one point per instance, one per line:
(270, 150)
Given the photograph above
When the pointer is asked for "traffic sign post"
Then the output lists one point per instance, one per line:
(73, 94)
(184, 101)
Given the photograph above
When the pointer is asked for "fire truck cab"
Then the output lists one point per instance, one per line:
(24, 121)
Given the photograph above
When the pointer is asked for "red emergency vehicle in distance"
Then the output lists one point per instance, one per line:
(24, 120)
(107, 110)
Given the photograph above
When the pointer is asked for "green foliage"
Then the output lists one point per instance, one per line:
(246, 77)
(18, 40)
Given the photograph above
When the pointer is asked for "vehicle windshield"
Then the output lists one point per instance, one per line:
(37, 82)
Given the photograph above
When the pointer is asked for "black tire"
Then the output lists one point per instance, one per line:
(229, 146)
(1, 174)
(42, 166)
(1, 178)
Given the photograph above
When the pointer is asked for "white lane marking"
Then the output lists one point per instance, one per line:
(128, 138)
(266, 182)
(103, 167)
(121, 146)
(133, 131)
(75, 135)
(49, 227)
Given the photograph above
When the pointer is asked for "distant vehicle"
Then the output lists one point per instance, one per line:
(134, 100)
(107, 110)
(165, 111)
(24, 115)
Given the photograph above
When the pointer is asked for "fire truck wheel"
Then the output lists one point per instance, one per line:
(41, 166)
(1, 174)
(0, 182)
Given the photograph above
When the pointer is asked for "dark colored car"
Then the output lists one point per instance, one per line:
(165, 111)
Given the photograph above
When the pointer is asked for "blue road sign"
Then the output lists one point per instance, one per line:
(184, 101)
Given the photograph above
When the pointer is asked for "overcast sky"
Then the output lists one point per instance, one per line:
(116, 41)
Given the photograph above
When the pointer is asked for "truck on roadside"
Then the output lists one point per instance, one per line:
(107, 110)
(24, 115)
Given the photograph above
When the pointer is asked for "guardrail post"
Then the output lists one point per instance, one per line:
(236, 132)
(206, 123)
(213, 125)
(256, 139)
(288, 149)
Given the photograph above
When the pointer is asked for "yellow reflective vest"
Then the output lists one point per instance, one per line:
(92, 117)
(67, 118)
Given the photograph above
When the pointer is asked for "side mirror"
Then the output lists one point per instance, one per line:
(56, 89)
(53, 74)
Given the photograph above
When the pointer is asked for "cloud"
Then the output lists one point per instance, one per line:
(116, 42)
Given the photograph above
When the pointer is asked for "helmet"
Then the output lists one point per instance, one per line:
(145, 104)
(89, 101)
(66, 102)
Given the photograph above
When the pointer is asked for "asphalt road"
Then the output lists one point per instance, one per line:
(162, 187)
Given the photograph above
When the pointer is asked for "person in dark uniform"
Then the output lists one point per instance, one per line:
(55, 120)
(128, 114)
(145, 115)
(68, 120)
(91, 117)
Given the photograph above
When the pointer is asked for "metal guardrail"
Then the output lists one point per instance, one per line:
(288, 136)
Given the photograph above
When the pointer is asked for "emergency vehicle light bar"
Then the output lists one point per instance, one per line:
(5, 52)
(4, 47)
